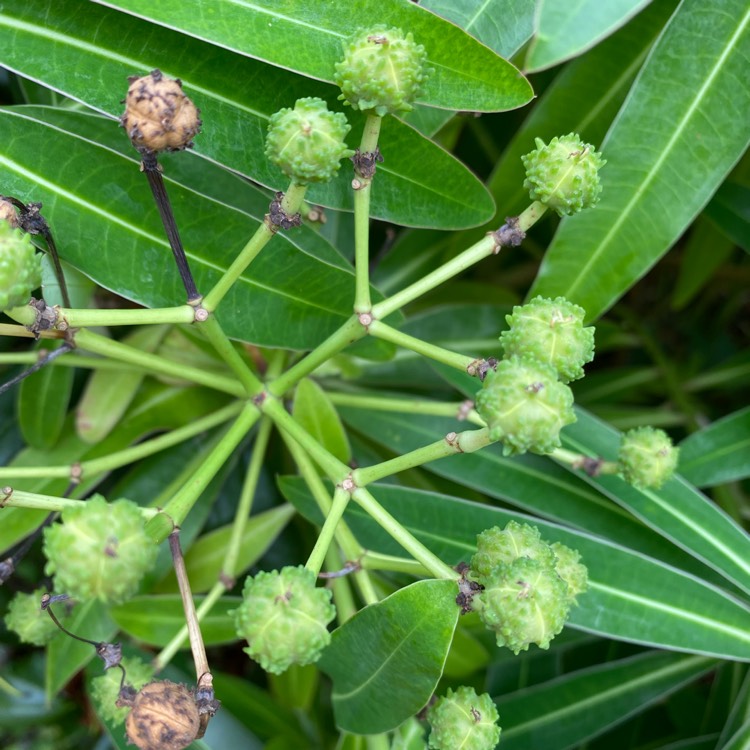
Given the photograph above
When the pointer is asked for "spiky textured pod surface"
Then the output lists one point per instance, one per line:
(570, 568)
(647, 457)
(28, 621)
(284, 618)
(550, 331)
(498, 546)
(564, 174)
(20, 267)
(105, 689)
(463, 720)
(382, 71)
(525, 405)
(99, 551)
(307, 142)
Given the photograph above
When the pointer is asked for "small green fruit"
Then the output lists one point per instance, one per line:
(20, 267)
(647, 457)
(564, 174)
(99, 551)
(463, 720)
(28, 621)
(307, 142)
(550, 331)
(569, 567)
(382, 71)
(498, 546)
(283, 617)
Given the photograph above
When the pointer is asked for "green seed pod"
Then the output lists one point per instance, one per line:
(307, 142)
(550, 331)
(283, 617)
(463, 720)
(564, 174)
(525, 405)
(647, 457)
(571, 570)
(99, 551)
(524, 602)
(382, 70)
(105, 690)
(20, 267)
(498, 546)
(28, 621)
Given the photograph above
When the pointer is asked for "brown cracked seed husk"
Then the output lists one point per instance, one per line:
(158, 116)
(164, 717)
(8, 213)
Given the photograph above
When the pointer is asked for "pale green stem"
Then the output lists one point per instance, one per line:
(70, 360)
(76, 318)
(8, 329)
(407, 540)
(578, 460)
(377, 742)
(453, 443)
(180, 638)
(342, 591)
(93, 342)
(290, 203)
(50, 503)
(349, 332)
(9, 689)
(376, 561)
(244, 506)
(325, 536)
(127, 456)
(383, 331)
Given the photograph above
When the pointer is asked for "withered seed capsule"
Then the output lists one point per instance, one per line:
(158, 116)
(164, 717)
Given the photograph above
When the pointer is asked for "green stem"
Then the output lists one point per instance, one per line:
(50, 503)
(349, 332)
(93, 342)
(290, 203)
(72, 360)
(128, 456)
(377, 742)
(376, 561)
(75, 318)
(342, 590)
(325, 537)
(383, 331)
(579, 460)
(462, 442)
(409, 542)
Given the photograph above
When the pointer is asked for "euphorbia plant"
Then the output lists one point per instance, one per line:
(392, 581)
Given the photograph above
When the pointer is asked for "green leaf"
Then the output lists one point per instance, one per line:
(586, 703)
(155, 619)
(740, 740)
(729, 210)
(386, 661)
(718, 453)
(566, 29)
(205, 559)
(43, 402)
(307, 37)
(314, 412)
(237, 96)
(652, 191)
(631, 597)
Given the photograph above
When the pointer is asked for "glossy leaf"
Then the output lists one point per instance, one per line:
(314, 412)
(740, 740)
(718, 453)
(730, 210)
(307, 37)
(155, 619)
(653, 188)
(386, 661)
(566, 29)
(631, 597)
(583, 704)
(237, 96)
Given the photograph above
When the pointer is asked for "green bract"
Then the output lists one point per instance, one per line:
(105, 689)
(525, 405)
(28, 621)
(647, 457)
(463, 720)
(382, 70)
(564, 174)
(99, 551)
(283, 617)
(307, 142)
(20, 267)
(551, 331)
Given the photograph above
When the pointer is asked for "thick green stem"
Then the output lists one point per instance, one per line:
(383, 331)
(343, 597)
(75, 318)
(376, 561)
(290, 203)
(10, 498)
(581, 461)
(325, 537)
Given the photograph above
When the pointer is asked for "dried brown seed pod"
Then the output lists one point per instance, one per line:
(8, 213)
(158, 116)
(164, 717)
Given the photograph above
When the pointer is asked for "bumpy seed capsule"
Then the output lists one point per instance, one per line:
(498, 546)
(20, 267)
(525, 405)
(99, 551)
(569, 567)
(158, 116)
(647, 457)
(284, 616)
(382, 70)
(307, 142)
(564, 174)
(164, 716)
(105, 689)
(551, 331)
(463, 720)
(28, 621)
